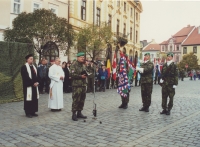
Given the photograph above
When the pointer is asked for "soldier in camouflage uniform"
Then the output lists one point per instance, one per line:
(146, 71)
(169, 82)
(77, 70)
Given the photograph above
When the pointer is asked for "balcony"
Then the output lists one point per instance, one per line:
(121, 38)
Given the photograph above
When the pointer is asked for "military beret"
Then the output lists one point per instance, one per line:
(28, 56)
(170, 54)
(147, 54)
(80, 54)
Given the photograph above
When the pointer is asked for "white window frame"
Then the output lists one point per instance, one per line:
(1, 36)
(36, 2)
(19, 3)
(51, 6)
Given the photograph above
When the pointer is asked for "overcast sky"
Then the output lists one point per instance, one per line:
(162, 18)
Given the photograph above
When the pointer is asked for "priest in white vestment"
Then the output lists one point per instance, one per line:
(56, 75)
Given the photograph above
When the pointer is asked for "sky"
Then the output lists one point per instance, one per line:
(161, 19)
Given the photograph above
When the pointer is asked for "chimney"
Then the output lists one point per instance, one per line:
(188, 26)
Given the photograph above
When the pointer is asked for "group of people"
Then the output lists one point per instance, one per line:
(194, 74)
(81, 76)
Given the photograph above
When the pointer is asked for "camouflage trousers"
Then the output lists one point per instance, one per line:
(78, 97)
(146, 91)
(167, 91)
(125, 99)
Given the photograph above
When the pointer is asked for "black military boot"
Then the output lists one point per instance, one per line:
(142, 109)
(168, 112)
(74, 117)
(146, 109)
(80, 115)
(164, 111)
(125, 106)
(122, 105)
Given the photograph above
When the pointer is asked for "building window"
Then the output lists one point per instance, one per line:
(118, 3)
(36, 6)
(16, 8)
(185, 50)
(124, 30)
(131, 33)
(166, 49)
(177, 58)
(125, 6)
(109, 20)
(195, 49)
(136, 16)
(170, 48)
(163, 48)
(136, 36)
(83, 10)
(53, 10)
(131, 12)
(118, 27)
(98, 16)
(177, 47)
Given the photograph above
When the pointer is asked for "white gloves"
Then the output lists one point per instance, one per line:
(174, 86)
(161, 80)
(141, 70)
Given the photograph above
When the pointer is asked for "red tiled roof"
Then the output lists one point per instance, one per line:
(193, 39)
(152, 47)
(184, 31)
(179, 39)
(164, 42)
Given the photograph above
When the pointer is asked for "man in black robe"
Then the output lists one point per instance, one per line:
(30, 87)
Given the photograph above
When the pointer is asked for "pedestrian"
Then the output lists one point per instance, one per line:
(169, 82)
(103, 74)
(191, 75)
(78, 74)
(30, 87)
(65, 83)
(68, 79)
(124, 80)
(43, 76)
(136, 79)
(90, 78)
(194, 74)
(97, 79)
(146, 71)
(198, 74)
(156, 75)
(182, 74)
(57, 76)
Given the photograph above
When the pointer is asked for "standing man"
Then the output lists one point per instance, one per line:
(146, 71)
(78, 75)
(169, 82)
(90, 78)
(30, 87)
(43, 76)
(56, 76)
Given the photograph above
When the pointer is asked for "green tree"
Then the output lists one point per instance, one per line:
(93, 39)
(189, 59)
(40, 27)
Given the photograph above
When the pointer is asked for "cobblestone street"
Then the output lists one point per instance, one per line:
(119, 127)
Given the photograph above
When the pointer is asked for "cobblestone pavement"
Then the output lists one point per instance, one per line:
(119, 127)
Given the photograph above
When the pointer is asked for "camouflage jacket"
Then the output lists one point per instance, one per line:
(75, 73)
(170, 74)
(147, 75)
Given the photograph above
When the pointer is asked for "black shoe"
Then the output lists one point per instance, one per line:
(80, 115)
(34, 115)
(53, 110)
(74, 117)
(142, 109)
(29, 115)
(59, 110)
(121, 106)
(163, 112)
(146, 109)
(125, 106)
(168, 112)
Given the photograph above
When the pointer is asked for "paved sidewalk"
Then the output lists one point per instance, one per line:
(119, 127)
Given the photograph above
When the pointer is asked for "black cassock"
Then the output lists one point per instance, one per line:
(30, 107)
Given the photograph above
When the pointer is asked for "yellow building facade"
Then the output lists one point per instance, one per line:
(123, 15)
